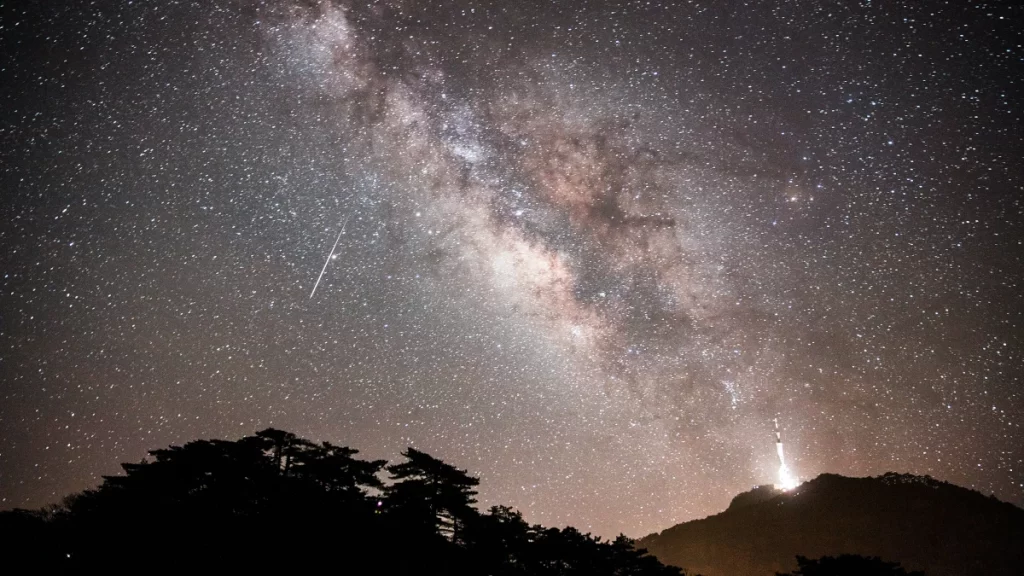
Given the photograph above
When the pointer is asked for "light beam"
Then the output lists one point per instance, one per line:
(786, 479)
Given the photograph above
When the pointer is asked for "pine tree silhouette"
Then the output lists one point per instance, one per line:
(430, 492)
(275, 501)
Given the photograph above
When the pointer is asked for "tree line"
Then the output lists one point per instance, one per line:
(275, 501)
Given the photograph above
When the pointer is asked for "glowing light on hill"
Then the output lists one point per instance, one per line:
(786, 479)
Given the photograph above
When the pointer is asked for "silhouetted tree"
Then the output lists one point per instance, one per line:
(280, 445)
(277, 501)
(329, 472)
(848, 565)
(501, 543)
(430, 493)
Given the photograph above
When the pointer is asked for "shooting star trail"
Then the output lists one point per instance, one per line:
(329, 256)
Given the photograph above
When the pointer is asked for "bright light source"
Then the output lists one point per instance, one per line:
(786, 479)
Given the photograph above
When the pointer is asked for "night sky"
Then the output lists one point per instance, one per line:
(586, 250)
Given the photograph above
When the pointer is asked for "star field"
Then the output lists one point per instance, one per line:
(588, 250)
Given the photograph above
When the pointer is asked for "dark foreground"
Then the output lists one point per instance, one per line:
(274, 501)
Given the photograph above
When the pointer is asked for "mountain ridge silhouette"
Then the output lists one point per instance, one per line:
(923, 523)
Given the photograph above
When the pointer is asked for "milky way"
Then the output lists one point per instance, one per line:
(588, 250)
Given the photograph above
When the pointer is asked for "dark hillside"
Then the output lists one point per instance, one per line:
(942, 529)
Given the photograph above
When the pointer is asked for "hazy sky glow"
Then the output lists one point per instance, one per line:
(591, 249)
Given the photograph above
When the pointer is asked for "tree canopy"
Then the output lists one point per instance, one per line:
(848, 565)
(275, 500)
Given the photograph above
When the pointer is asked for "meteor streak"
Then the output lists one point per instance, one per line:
(329, 256)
